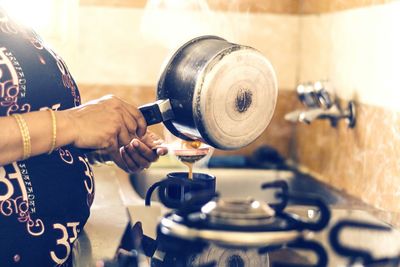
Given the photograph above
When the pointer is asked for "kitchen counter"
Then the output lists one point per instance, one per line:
(116, 203)
(107, 222)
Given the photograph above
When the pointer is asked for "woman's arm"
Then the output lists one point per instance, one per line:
(106, 123)
(40, 130)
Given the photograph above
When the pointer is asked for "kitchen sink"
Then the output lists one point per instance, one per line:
(242, 183)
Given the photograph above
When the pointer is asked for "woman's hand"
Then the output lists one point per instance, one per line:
(106, 123)
(139, 153)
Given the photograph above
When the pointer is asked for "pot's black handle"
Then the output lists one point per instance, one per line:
(157, 112)
(185, 203)
(150, 191)
(162, 192)
(153, 113)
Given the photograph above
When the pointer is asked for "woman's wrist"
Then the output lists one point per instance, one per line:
(35, 136)
(66, 125)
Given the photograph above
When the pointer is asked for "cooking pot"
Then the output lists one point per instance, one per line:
(221, 93)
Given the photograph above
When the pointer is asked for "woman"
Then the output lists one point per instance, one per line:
(46, 184)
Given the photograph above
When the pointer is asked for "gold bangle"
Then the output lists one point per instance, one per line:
(26, 138)
(54, 131)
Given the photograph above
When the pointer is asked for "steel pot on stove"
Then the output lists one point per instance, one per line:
(221, 93)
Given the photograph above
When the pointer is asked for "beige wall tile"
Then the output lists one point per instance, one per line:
(362, 161)
(267, 6)
(324, 6)
(357, 50)
(254, 6)
(114, 3)
(129, 46)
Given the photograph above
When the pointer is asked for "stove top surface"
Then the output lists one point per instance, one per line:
(381, 244)
(98, 242)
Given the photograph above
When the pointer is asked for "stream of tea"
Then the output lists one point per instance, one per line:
(189, 161)
(190, 154)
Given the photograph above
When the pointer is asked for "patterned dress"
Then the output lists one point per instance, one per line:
(44, 200)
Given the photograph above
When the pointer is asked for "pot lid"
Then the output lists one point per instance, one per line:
(235, 97)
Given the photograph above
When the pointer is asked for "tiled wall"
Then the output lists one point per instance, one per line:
(323, 6)
(357, 50)
(254, 6)
(129, 45)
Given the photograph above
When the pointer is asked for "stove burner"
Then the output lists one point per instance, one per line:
(304, 245)
(175, 225)
(235, 261)
(243, 223)
(239, 212)
(235, 232)
(224, 257)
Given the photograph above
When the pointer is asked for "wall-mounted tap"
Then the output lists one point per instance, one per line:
(321, 103)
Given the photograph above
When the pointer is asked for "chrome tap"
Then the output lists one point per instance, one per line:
(321, 103)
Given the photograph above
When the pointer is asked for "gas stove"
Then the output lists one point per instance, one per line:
(297, 230)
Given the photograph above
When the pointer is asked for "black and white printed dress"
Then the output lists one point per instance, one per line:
(45, 200)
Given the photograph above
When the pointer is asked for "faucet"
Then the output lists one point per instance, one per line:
(321, 103)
